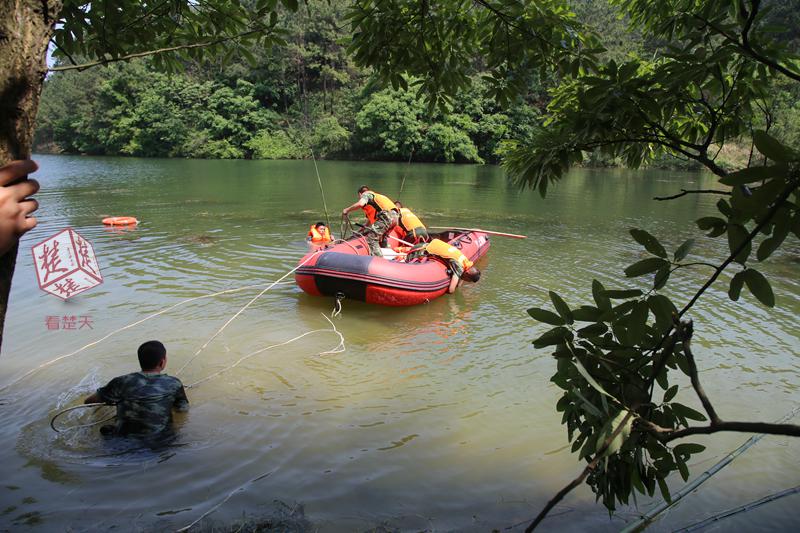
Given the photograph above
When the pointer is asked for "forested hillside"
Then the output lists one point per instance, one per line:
(308, 95)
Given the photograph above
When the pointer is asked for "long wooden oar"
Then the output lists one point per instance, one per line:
(512, 235)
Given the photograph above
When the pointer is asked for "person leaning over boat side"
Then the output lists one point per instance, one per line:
(381, 213)
(145, 399)
(463, 269)
(415, 230)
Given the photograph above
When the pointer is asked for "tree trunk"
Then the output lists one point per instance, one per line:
(25, 30)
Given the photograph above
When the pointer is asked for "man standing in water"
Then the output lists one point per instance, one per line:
(145, 399)
(381, 213)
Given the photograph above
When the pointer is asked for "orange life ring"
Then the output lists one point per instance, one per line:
(120, 221)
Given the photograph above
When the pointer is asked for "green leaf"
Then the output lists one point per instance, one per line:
(636, 479)
(768, 246)
(587, 313)
(562, 307)
(772, 148)
(645, 266)
(590, 407)
(688, 448)
(682, 468)
(623, 293)
(670, 393)
(662, 308)
(737, 282)
(637, 322)
(649, 242)
(759, 286)
(662, 485)
(588, 377)
(554, 336)
(715, 224)
(749, 175)
(683, 250)
(737, 235)
(600, 298)
(593, 330)
(661, 277)
(543, 315)
(608, 429)
(687, 412)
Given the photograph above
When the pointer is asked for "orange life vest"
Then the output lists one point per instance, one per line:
(409, 220)
(317, 237)
(378, 203)
(441, 249)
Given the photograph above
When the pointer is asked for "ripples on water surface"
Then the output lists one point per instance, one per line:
(436, 417)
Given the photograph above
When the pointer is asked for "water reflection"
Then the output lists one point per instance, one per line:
(435, 416)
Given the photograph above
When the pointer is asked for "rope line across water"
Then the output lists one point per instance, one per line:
(240, 311)
(131, 325)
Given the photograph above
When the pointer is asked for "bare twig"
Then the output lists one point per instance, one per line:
(684, 192)
(668, 434)
(698, 387)
(586, 471)
(108, 60)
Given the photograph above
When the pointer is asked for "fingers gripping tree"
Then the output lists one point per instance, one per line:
(709, 83)
(104, 31)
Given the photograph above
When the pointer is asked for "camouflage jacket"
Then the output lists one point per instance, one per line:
(144, 402)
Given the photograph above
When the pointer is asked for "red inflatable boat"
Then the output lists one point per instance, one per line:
(346, 268)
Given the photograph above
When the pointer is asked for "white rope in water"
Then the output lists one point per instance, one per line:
(338, 349)
(240, 311)
(82, 406)
(240, 488)
(131, 325)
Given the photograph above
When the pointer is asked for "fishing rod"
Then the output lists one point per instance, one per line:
(488, 232)
(319, 180)
(405, 171)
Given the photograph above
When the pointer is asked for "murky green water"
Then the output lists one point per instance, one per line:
(437, 417)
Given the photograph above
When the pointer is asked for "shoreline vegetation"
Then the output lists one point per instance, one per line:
(309, 95)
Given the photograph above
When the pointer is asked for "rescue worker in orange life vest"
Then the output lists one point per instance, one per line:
(463, 269)
(381, 213)
(415, 230)
(319, 233)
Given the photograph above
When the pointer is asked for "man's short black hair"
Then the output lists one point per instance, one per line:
(397, 203)
(151, 353)
(471, 274)
(362, 189)
(318, 224)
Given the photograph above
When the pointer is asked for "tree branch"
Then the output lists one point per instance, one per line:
(578, 480)
(106, 61)
(684, 192)
(666, 434)
(735, 253)
(698, 387)
(748, 49)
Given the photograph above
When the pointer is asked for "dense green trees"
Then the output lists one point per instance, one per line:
(278, 102)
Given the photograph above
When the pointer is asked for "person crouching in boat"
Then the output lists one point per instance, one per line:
(319, 234)
(463, 269)
(381, 213)
(415, 230)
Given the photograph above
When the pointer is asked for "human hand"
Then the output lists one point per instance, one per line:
(15, 206)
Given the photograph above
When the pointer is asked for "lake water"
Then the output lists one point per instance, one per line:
(436, 417)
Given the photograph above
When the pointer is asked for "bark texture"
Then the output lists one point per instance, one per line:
(25, 30)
